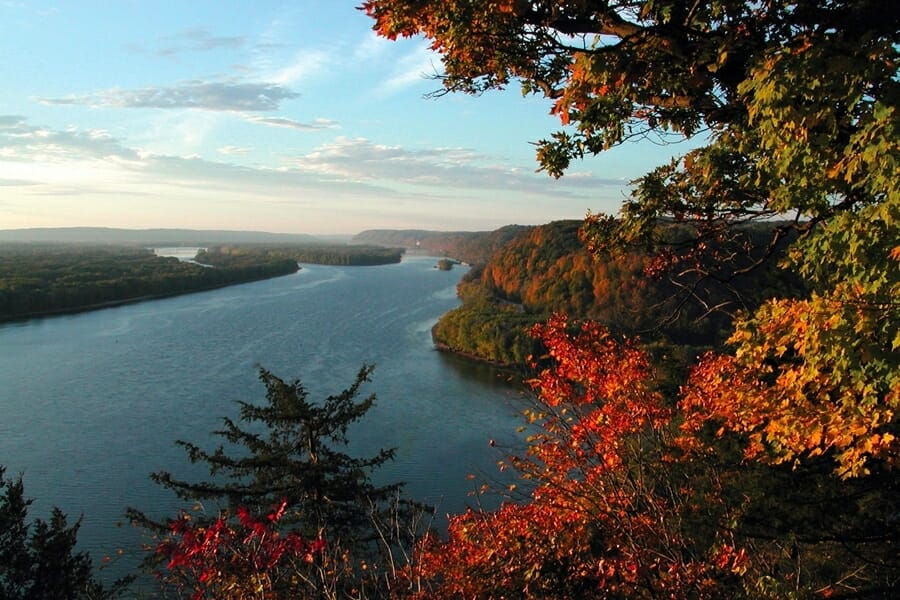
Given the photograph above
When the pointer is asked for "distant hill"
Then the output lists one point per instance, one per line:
(473, 247)
(149, 237)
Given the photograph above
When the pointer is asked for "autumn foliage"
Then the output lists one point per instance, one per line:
(246, 557)
(601, 517)
(795, 390)
(630, 491)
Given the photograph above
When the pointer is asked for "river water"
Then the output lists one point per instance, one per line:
(91, 403)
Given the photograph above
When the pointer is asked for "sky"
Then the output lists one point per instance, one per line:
(288, 117)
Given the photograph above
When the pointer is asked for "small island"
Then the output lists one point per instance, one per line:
(445, 264)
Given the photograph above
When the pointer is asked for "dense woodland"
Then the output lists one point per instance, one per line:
(41, 279)
(356, 255)
(548, 269)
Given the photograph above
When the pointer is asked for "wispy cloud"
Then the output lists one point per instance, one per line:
(190, 40)
(411, 69)
(232, 150)
(199, 40)
(440, 168)
(315, 125)
(345, 181)
(27, 151)
(372, 47)
(304, 64)
(216, 96)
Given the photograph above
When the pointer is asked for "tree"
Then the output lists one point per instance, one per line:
(605, 513)
(609, 506)
(38, 560)
(798, 103)
(338, 533)
(291, 449)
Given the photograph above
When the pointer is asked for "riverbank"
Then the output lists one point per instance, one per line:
(126, 301)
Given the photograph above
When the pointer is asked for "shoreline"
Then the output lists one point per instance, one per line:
(509, 367)
(73, 310)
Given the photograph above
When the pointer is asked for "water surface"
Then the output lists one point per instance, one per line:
(91, 403)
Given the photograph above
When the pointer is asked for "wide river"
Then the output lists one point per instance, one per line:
(92, 403)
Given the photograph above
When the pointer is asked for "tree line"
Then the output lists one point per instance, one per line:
(47, 279)
(338, 255)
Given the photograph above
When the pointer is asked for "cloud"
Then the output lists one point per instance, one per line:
(231, 150)
(414, 68)
(190, 40)
(216, 96)
(292, 124)
(11, 120)
(445, 168)
(40, 155)
(343, 185)
(371, 48)
(305, 64)
(21, 141)
(199, 40)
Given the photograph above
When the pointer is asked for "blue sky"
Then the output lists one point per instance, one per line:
(271, 116)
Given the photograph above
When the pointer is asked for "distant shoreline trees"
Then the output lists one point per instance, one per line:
(39, 280)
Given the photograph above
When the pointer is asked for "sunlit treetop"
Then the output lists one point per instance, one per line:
(620, 69)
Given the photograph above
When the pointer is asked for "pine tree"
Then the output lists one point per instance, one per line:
(38, 560)
(299, 456)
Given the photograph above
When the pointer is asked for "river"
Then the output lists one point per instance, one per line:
(93, 402)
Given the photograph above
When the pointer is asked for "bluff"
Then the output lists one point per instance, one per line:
(547, 269)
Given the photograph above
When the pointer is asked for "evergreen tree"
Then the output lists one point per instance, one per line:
(38, 560)
(299, 455)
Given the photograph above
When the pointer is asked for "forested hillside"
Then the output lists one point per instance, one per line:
(547, 269)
